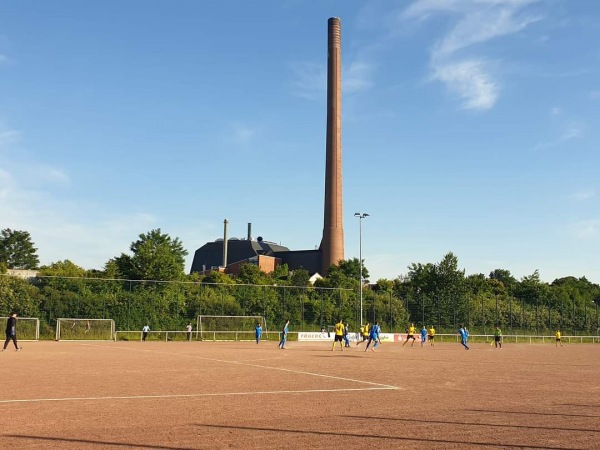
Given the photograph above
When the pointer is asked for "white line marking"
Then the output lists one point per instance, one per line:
(222, 394)
(386, 386)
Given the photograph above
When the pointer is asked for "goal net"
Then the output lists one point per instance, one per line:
(229, 327)
(28, 328)
(85, 329)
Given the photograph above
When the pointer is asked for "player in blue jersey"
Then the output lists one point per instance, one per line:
(284, 335)
(423, 335)
(257, 332)
(373, 336)
(464, 335)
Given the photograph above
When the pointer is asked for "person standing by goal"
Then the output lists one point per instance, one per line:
(284, 335)
(145, 331)
(11, 331)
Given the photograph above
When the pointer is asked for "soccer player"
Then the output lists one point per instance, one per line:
(410, 334)
(257, 332)
(284, 335)
(463, 337)
(339, 335)
(188, 330)
(431, 335)
(498, 337)
(346, 332)
(11, 332)
(558, 341)
(423, 335)
(364, 333)
(373, 336)
(145, 331)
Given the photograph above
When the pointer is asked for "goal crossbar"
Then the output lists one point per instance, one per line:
(28, 328)
(85, 329)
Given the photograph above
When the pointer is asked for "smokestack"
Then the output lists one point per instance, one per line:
(249, 231)
(225, 239)
(332, 244)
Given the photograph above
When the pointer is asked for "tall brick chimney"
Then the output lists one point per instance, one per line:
(332, 244)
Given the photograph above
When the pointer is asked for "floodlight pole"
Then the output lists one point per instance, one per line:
(360, 216)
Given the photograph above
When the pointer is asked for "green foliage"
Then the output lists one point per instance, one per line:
(431, 293)
(156, 256)
(17, 250)
(64, 268)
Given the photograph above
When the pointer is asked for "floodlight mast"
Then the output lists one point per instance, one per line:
(360, 216)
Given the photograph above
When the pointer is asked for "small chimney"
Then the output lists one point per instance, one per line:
(225, 239)
(249, 231)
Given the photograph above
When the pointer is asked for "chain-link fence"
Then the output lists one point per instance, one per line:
(172, 305)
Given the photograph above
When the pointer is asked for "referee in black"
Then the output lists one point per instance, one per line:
(11, 331)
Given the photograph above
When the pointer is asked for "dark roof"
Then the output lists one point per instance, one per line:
(211, 254)
(301, 259)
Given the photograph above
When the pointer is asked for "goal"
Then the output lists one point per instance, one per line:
(232, 328)
(28, 328)
(85, 329)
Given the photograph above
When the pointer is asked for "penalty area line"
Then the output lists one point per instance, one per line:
(211, 394)
(241, 363)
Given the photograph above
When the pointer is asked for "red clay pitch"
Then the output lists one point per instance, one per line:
(197, 395)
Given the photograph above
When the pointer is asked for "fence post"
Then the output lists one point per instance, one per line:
(510, 312)
(302, 309)
(574, 328)
(391, 315)
(482, 315)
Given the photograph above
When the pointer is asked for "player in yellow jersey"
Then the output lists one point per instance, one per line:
(431, 335)
(558, 341)
(410, 334)
(339, 335)
(364, 333)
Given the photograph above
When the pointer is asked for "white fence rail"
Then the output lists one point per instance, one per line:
(293, 336)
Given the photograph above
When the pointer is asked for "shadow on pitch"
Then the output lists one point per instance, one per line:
(476, 424)
(562, 414)
(580, 404)
(57, 442)
(374, 436)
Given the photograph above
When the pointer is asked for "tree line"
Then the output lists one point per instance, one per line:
(149, 285)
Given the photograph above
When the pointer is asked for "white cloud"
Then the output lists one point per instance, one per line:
(8, 137)
(470, 81)
(587, 229)
(357, 77)
(243, 134)
(572, 131)
(60, 228)
(311, 79)
(582, 196)
(477, 22)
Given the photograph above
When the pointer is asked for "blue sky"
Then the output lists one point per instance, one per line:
(470, 126)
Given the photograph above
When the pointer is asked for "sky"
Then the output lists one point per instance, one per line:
(469, 126)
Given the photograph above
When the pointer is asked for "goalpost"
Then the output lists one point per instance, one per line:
(231, 328)
(85, 329)
(28, 328)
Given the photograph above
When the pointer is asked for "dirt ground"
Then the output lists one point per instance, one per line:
(201, 395)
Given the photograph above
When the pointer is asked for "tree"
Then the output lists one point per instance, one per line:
(17, 250)
(64, 268)
(156, 256)
(346, 274)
